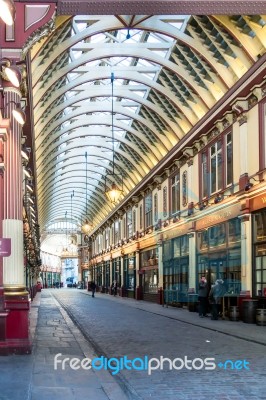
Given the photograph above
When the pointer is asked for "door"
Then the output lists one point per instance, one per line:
(216, 270)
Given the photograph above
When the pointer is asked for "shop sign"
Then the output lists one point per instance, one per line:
(218, 217)
(257, 202)
(5, 247)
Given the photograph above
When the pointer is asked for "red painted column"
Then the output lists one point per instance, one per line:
(16, 296)
(4, 127)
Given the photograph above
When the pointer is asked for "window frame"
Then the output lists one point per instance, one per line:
(176, 188)
(205, 184)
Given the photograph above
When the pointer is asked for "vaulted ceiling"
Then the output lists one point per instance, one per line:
(169, 71)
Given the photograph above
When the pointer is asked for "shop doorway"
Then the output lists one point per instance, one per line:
(212, 268)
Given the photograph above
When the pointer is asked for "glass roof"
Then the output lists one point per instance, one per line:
(169, 71)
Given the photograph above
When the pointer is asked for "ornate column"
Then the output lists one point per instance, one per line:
(246, 253)
(16, 295)
(122, 289)
(239, 109)
(138, 289)
(4, 130)
(192, 261)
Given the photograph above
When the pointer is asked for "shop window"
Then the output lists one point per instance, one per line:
(175, 194)
(167, 253)
(260, 226)
(233, 272)
(217, 235)
(203, 242)
(151, 281)
(234, 231)
(260, 272)
(134, 221)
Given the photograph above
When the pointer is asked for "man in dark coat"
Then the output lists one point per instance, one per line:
(93, 288)
(215, 297)
(203, 297)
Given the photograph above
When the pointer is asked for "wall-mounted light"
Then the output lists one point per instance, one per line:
(25, 153)
(203, 205)
(29, 187)
(249, 184)
(10, 71)
(8, 11)
(218, 198)
(17, 112)
(27, 172)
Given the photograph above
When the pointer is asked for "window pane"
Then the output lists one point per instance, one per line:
(165, 201)
(229, 160)
(156, 207)
(234, 230)
(175, 194)
(213, 175)
(220, 170)
(260, 226)
(204, 176)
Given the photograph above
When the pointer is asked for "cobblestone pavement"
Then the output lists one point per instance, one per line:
(116, 329)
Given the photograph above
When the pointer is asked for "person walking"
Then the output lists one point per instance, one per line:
(203, 297)
(215, 297)
(114, 288)
(93, 288)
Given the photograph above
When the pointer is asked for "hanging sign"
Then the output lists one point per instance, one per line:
(5, 247)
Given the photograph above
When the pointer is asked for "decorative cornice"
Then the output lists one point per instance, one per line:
(39, 34)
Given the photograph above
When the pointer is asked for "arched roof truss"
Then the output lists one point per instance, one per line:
(169, 71)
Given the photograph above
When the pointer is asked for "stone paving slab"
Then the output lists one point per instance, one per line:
(33, 377)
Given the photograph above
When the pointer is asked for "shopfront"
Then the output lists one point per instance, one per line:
(175, 268)
(106, 276)
(129, 277)
(116, 270)
(219, 254)
(149, 274)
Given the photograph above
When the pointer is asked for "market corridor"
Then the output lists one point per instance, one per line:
(117, 327)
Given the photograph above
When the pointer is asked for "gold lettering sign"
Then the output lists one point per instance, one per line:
(218, 217)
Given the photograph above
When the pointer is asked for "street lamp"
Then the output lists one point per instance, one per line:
(114, 192)
(86, 227)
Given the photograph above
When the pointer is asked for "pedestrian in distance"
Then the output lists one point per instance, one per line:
(93, 288)
(114, 288)
(203, 297)
(215, 297)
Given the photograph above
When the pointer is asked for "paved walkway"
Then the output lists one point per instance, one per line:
(33, 376)
(238, 329)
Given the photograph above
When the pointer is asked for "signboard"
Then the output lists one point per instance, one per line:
(5, 247)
